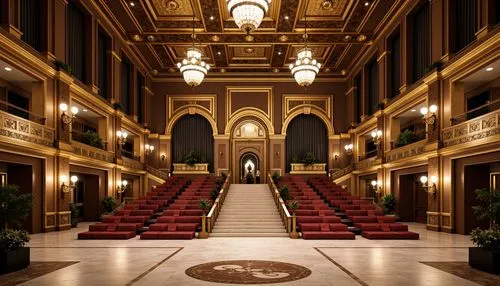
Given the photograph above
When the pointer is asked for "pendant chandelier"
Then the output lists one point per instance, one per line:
(305, 68)
(248, 14)
(193, 69)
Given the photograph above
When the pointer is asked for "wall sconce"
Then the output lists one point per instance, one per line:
(67, 188)
(431, 118)
(377, 136)
(277, 153)
(122, 186)
(432, 189)
(121, 137)
(221, 153)
(336, 157)
(148, 149)
(163, 157)
(66, 118)
(349, 148)
(377, 186)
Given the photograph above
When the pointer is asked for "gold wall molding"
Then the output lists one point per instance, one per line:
(308, 110)
(321, 102)
(190, 109)
(249, 112)
(203, 101)
(234, 89)
(92, 152)
(405, 152)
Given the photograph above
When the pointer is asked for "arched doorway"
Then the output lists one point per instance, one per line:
(306, 133)
(193, 132)
(249, 142)
(249, 164)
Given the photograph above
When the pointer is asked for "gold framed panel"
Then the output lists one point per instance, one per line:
(194, 100)
(232, 89)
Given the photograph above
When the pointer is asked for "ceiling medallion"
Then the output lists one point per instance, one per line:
(283, 38)
(193, 69)
(249, 38)
(249, 50)
(248, 14)
(171, 5)
(215, 38)
(222, 70)
(137, 38)
(361, 38)
(327, 5)
(276, 70)
(151, 38)
(343, 72)
(305, 68)
(347, 38)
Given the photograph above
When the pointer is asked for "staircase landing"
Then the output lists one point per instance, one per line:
(249, 211)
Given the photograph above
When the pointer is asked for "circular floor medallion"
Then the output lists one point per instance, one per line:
(248, 272)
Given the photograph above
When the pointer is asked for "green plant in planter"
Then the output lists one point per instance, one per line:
(62, 66)
(388, 204)
(14, 208)
(205, 205)
(284, 193)
(406, 137)
(295, 159)
(92, 138)
(192, 158)
(293, 206)
(117, 106)
(486, 256)
(275, 177)
(214, 194)
(109, 204)
(309, 158)
(74, 214)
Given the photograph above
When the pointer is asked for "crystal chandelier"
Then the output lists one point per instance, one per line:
(305, 68)
(193, 69)
(248, 14)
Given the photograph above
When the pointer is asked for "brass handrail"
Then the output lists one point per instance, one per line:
(280, 204)
(213, 214)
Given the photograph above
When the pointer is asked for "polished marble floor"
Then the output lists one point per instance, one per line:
(163, 262)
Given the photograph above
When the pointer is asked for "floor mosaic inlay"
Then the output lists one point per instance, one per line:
(248, 272)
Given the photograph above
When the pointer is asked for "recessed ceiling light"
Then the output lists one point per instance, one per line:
(287, 18)
(488, 69)
(367, 3)
(279, 53)
(7, 68)
(212, 18)
(413, 110)
(84, 110)
(219, 53)
(132, 3)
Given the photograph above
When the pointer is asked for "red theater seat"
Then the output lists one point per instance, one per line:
(326, 231)
(109, 231)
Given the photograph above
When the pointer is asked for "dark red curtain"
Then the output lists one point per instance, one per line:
(193, 132)
(306, 133)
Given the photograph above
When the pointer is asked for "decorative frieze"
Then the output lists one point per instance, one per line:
(310, 169)
(185, 169)
(132, 164)
(21, 129)
(92, 152)
(405, 151)
(472, 130)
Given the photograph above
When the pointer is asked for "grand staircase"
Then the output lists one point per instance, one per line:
(249, 211)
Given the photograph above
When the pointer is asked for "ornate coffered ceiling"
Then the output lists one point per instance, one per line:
(340, 31)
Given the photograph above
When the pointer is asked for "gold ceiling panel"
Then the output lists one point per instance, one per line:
(173, 7)
(327, 7)
(249, 52)
(320, 52)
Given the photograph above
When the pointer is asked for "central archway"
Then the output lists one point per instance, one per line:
(249, 164)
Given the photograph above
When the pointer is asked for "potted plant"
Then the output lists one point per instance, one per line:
(293, 206)
(388, 204)
(205, 205)
(117, 106)
(275, 177)
(62, 66)
(92, 138)
(284, 193)
(309, 159)
(14, 207)
(109, 204)
(214, 194)
(406, 137)
(486, 255)
(192, 158)
(74, 214)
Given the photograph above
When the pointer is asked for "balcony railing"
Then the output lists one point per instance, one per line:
(484, 126)
(369, 154)
(130, 155)
(21, 129)
(21, 112)
(421, 135)
(78, 136)
(476, 112)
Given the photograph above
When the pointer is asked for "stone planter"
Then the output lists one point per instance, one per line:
(484, 260)
(312, 169)
(185, 169)
(13, 260)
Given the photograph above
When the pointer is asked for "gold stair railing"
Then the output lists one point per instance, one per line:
(280, 204)
(213, 214)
